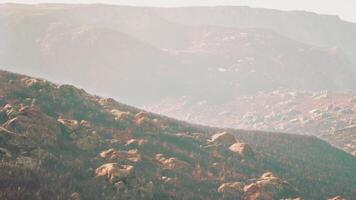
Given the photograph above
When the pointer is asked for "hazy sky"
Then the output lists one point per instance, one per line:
(346, 9)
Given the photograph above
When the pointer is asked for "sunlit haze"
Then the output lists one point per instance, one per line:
(343, 8)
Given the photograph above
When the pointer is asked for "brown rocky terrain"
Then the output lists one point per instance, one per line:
(57, 141)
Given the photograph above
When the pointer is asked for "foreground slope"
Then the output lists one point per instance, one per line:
(59, 141)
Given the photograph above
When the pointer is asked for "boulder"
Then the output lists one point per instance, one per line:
(114, 172)
(223, 138)
(242, 149)
(268, 187)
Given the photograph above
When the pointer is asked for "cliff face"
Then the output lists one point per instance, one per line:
(59, 141)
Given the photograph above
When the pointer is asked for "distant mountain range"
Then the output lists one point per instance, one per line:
(171, 52)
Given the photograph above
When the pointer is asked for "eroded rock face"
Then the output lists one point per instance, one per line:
(223, 138)
(114, 172)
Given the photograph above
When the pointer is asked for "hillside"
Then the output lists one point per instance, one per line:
(59, 141)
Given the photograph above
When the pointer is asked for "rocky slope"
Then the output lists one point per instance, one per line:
(57, 141)
(330, 115)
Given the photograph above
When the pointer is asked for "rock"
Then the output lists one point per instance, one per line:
(141, 115)
(120, 116)
(268, 187)
(337, 198)
(131, 155)
(224, 138)
(173, 163)
(136, 142)
(242, 149)
(168, 180)
(72, 125)
(108, 102)
(315, 112)
(148, 125)
(74, 196)
(32, 82)
(234, 189)
(114, 172)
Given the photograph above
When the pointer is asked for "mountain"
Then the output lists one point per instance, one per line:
(170, 57)
(306, 27)
(57, 141)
